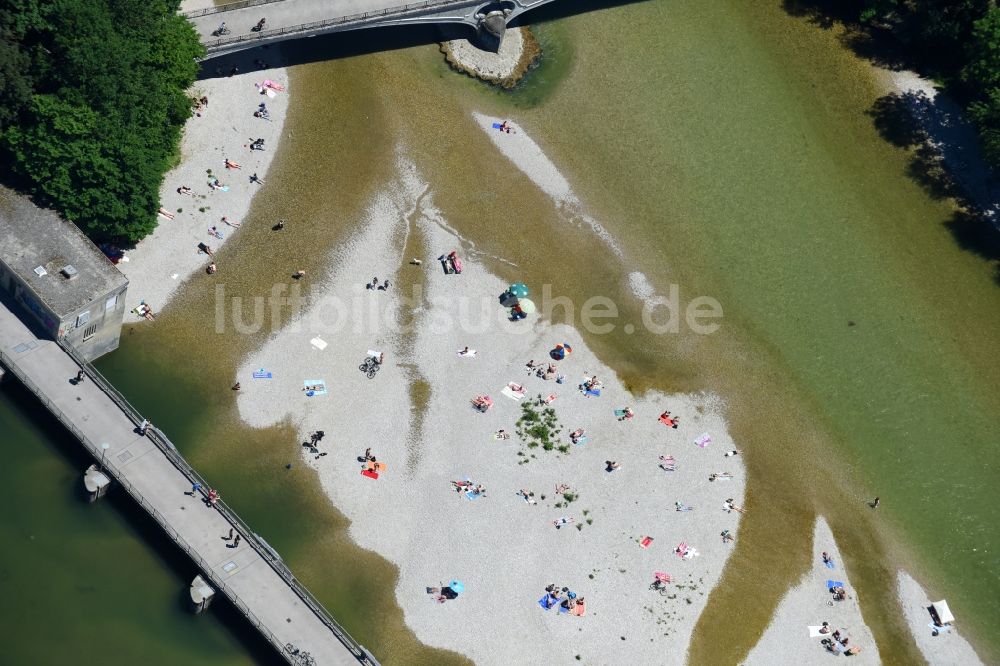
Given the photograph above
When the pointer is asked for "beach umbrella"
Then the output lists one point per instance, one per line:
(519, 289)
(456, 585)
(569, 350)
(527, 306)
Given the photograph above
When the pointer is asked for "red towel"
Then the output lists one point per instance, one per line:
(370, 474)
(646, 541)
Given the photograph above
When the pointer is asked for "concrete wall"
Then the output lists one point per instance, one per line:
(101, 331)
(99, 324)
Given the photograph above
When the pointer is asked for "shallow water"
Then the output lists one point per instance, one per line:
(71, 570)
(728, 151)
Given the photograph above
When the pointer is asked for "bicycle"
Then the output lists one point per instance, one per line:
(220, 31)
(370, 367)
(660, 587)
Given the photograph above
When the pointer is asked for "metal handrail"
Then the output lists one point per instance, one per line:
(170, 451)
(340, 20)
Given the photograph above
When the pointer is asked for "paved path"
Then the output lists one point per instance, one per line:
(159, 484)
(288, 14)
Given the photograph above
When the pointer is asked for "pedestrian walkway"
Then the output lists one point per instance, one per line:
(149, 468)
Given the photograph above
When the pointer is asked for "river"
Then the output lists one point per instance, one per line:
(728, 150)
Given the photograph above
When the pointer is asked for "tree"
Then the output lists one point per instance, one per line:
(101, 105)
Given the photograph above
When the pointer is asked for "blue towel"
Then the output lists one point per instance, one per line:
(592, 392)
(497, 125)
(471, 495)
(830, 565)
(581, 440)
(833, 583)
(563, 609)
(547, 602)
(262, 374)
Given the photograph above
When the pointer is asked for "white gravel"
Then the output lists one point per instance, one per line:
(504, 550)
(945, 649)
(787, 640)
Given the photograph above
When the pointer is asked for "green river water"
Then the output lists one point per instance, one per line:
(727, 148)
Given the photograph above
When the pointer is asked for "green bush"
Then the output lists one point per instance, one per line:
(94, 104)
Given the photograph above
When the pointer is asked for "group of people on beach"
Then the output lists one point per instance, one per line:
(836, 641)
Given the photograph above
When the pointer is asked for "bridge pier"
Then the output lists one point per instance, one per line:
(96, 483)
(490, 29)
(201, 594)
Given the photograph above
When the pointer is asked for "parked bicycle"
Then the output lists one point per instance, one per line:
(370, 367)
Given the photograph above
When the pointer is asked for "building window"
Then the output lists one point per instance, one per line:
(82, 318)
(89, 333)
(111, 302)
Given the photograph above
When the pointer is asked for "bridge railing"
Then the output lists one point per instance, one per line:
(401, 10)
(170, 451)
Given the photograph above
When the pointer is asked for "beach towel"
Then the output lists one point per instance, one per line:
(830, 584)
(375, 466)
(547, 602)
(592, 392)
(646, 541)
(497, 125)
(581, 440)
(370, 474)
(814, 631)
(510, 393)
(563, 609)
(662, 576)
(941, 629)
(830, 565)
(262, 374)
(579, 610)
(471, 495)
(318, 383)
(467, 354)
(549, 400)
(703, 440)
(667, 421)
(319, 343)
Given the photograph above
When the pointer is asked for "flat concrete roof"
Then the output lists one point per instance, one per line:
(31, 236)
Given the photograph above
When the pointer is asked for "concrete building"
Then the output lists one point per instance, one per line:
(58, 279)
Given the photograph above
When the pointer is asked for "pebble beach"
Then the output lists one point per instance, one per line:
(606, 544)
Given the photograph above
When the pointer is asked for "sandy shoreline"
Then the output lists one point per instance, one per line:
(502, 548)
(161, 262)
(518, 53)
(788, 641)
(951, 136)
(945, 649)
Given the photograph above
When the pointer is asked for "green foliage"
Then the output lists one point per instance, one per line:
(986, 115)
(983, 69)
(94, 105)
(538, 425)
(958, 41)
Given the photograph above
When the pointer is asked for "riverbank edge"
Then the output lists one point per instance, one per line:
(530, 54)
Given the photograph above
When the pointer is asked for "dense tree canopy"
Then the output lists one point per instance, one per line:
(959, 41)
(94, 104)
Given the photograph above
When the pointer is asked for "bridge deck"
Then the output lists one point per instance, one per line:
(289, 15)
(248, 574)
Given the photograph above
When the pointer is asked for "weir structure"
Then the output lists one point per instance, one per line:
(294, 19)
(141, 461)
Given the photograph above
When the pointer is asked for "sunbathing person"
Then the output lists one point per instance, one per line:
(314, 387)
(516, 388)
(611, 465)
(165, 213)
(461, 485)
(720, 476)
(576, 435)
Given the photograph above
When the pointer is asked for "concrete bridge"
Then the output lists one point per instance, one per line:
(150, 470)
(293, 19)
